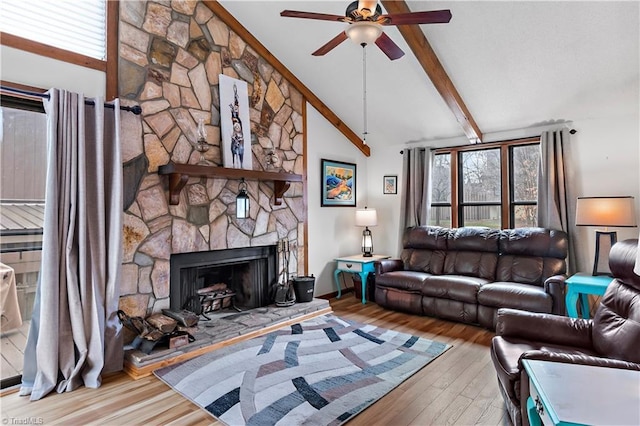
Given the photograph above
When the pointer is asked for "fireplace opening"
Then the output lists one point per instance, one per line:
(248, 274)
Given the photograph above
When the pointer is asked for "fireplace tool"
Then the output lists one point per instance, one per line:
(285, 295)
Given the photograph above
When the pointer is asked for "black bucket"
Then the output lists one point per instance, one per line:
(303, 287)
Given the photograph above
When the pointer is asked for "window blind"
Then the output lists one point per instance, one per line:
(75, 25)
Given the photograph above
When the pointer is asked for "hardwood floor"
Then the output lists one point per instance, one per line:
(459, 387)
(12, 345)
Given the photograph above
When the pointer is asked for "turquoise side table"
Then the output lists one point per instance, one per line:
(579, 286)
(356, 264)
(572, 394)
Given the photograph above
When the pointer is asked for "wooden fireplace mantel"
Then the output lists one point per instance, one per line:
(179, 174)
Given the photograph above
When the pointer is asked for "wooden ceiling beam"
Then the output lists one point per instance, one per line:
(422, 50)
(320, 106)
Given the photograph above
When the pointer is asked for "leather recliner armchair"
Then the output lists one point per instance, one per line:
(610, 339)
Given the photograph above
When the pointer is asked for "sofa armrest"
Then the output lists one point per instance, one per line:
(541, 327)
(388, 265)
(555, 287)
(578, 359)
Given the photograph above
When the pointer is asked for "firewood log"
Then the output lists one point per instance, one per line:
(162, 322)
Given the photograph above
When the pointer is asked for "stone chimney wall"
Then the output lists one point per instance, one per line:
(171, 55)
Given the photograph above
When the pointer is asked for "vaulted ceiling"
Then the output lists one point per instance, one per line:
(514, 64)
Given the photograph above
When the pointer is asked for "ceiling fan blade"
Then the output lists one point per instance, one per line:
(331, 44)
(428, 17)
(389, 47)
(312, 15)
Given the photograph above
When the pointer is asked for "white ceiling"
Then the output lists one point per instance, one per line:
(516, 65)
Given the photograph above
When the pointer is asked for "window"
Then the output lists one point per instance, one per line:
(493, 185)
(441, 191)
(22, 187)
(480, 186)
(76, 26)
(524, 162)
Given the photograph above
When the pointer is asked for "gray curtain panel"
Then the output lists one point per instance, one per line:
(556, 195)
(74, 333)
(416, 188)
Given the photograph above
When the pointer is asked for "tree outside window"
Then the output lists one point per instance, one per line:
(496, 185)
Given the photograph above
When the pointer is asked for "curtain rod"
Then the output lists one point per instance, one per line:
(134, 109)
(572, 131)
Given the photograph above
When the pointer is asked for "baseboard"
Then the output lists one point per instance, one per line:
(335, 294)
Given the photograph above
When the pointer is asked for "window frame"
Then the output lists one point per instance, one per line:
(33, 104)
(506, 204)
(513, 204)
(461, 203)
(108, 66)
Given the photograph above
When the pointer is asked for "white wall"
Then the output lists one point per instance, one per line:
(34, 70)
(332, 231)
(605, 155)
(604, 158)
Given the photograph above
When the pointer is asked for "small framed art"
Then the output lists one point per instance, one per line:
(390, 184)
(338, 182)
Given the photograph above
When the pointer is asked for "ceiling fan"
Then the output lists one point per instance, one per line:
(366, 20)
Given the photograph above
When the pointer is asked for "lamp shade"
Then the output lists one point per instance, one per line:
(606, 211)
(366, 217)
(364, 32)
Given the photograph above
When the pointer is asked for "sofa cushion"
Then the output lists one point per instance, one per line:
(531, 255)
(454, 287)
(429, 261)
(474, 238)
(515, 295)
(616, 324)
(534, 242)
(426, 238)
(471, 263)
(472, 251)
(412, 281)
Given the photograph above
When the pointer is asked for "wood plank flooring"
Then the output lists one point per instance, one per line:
(12, 345)
(459, 387)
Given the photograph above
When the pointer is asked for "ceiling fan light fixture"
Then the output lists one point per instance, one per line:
(364, 32)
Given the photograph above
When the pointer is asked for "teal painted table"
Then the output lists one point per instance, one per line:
(356, 264)
(579, 286)
(573, 394)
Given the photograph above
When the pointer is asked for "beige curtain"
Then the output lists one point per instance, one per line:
(74, 332)
(556, 197)
(416, 188)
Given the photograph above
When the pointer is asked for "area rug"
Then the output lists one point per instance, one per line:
(322, 371)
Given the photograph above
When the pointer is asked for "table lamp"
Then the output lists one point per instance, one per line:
(605, 212)
(366, 217)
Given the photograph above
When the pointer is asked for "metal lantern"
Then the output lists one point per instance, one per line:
(242, 201)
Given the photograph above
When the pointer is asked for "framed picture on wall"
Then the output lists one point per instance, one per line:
(390, 184)
(338, 181)
(234, 123)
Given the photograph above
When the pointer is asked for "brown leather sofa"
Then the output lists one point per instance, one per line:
(610, 339)
(467, 274)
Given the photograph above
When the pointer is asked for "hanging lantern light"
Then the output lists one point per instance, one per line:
(242, 201)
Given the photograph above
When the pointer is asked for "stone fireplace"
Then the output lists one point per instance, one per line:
(171, 55)
(250, 273)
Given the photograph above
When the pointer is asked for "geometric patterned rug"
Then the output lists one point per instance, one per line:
(322, 371)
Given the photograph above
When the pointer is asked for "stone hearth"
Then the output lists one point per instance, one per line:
(224, 326)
